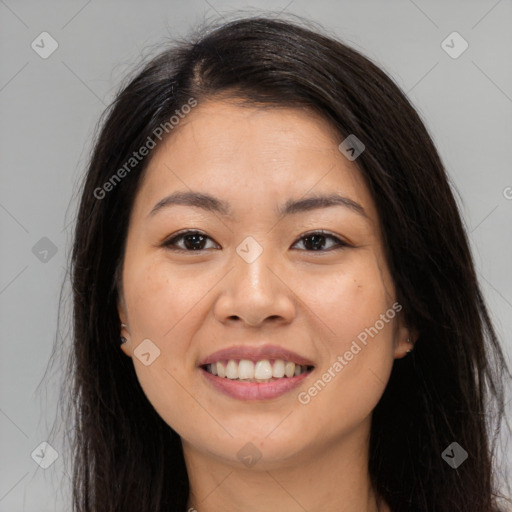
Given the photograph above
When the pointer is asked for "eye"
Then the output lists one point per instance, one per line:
(315, 241)
(193, 241)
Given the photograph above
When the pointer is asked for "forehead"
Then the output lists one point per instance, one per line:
(250, 156)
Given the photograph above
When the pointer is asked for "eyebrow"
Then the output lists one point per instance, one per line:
(293, 206)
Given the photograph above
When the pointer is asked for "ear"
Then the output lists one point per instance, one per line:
(124, 331)
(405, 339)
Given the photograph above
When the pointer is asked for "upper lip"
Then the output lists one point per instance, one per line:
(256, 353)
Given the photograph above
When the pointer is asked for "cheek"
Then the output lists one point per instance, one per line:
(162, 303)
(355, 312)
(347, 300)
(163, 307)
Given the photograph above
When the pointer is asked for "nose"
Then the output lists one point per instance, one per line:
(255, 293)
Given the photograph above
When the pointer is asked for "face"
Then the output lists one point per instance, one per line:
(308, 285)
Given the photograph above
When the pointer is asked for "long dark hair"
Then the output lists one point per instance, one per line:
(125, 457)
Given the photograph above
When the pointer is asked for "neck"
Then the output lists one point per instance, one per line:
(330, 476)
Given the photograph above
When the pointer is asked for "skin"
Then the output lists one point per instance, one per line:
(314, 456)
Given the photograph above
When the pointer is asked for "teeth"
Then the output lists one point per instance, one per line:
(220, 369)
(261, 371)
(232, 370)
(289, 369)
(245, 369)
(278, 369)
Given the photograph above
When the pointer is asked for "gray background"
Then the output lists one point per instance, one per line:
(49, 108)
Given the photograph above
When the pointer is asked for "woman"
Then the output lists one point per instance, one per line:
(268, 234)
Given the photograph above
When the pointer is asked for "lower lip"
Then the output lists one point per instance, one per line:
(254, 390)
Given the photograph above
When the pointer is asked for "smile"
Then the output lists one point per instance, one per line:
(255, 380)
(264, 370)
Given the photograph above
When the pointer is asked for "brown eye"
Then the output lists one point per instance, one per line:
(316, 241)
(191, 241)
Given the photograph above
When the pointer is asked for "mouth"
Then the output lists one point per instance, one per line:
(255, 373)
(259, 371)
